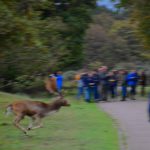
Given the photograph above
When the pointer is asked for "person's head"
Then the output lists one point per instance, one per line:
(59, 72)
(95, 71)
(104, 69)
(124, 72)
(100, 69)
(115, 71)
(133, 71)
(90, 73)
(142, 72)
(111, 73)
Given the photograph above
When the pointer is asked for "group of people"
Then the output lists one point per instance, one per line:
(101, 84)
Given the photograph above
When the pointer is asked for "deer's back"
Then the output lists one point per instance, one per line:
(29, 108)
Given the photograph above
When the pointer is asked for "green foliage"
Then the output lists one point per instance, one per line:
(141, 16)
(94, 65)
(111, 39)
(69, 75)
(36, 36)
(28, 84)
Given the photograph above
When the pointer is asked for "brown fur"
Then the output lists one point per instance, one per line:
(50, 85)
(36, 110)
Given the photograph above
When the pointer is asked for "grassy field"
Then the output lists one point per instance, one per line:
(79, 127)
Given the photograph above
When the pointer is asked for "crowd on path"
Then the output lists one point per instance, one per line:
(101, 84)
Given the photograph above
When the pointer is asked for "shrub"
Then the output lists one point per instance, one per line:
(28, 84)
(69, 75)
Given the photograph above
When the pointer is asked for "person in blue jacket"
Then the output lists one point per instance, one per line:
(132, 81)
(90, 84)
(94, 81)
(59, 82)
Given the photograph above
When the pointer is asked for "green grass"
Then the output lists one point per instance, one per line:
(79, 127)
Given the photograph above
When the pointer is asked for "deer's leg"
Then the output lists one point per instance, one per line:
(17, 120)
(37, 122)
(31, 123)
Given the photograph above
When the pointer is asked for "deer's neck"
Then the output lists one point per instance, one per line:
(51, 109)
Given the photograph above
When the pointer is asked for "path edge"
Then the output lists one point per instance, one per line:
(121, 133)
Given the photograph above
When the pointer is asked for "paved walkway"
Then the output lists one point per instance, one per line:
(133, 121)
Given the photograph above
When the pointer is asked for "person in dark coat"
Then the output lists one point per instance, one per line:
(143, 82)
(148, 110)
(116, 74)
(85, 81)
(103, 73)
(123, 83)
(112, 82)
(96, 80)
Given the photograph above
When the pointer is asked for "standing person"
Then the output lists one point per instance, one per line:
(112, 82)
(93, 85)
(104, 82)
(79, 85)
(59, 82)
(132, 80)
(148, 107)
(85, 80)
(116, 76)
(123, 82)
(143, 82)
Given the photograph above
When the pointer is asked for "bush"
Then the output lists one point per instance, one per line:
(69, 75)
(94, 65)
(28, 84)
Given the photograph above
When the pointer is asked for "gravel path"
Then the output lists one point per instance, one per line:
(133, 121)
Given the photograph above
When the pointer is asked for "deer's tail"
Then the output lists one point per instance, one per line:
(9, 110)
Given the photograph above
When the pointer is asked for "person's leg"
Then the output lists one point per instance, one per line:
(124, 93)
(133, 92)
(102, 92)
(79, 92)
(142, 90)
(87, 94)
(96, 94)
(148, 107)
(105, 92)
(113, 91)
(110, 91)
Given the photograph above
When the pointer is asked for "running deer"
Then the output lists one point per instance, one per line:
(36, 110)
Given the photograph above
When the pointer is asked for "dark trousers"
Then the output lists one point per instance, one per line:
(133, 90)
(124, 92)
(91, 91)
(143, 90)
(104, 92)
(79, 92)
(112, 90)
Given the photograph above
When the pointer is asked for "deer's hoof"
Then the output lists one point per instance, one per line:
(29, 128)
(25, 132)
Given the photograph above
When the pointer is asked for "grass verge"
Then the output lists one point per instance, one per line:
(80, 127)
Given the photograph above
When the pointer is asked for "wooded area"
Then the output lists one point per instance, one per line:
(41, 36)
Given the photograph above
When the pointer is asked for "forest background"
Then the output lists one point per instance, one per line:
(38, 37)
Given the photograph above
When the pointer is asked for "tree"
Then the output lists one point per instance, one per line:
(110, 39)
(40, 35)
(141, 17)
